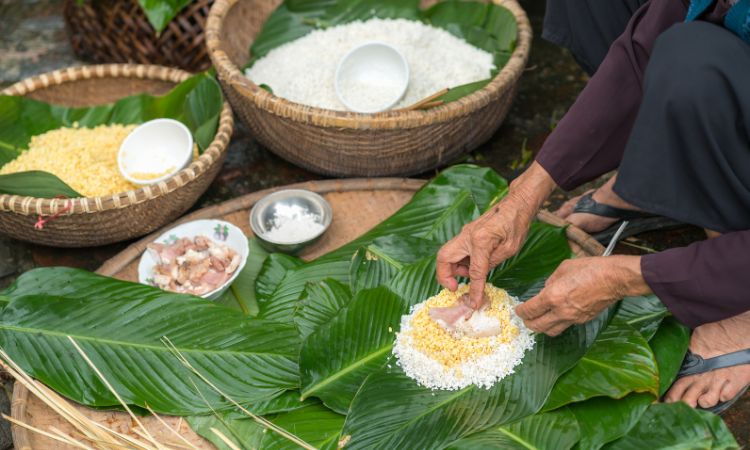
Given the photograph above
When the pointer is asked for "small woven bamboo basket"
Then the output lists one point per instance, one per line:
(351, 144)
(84, 222)
(117, 31)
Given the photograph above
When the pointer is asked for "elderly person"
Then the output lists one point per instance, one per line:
(668, 106)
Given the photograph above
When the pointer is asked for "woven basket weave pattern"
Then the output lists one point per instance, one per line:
(102, 220)
(351, 144)
(106, 31)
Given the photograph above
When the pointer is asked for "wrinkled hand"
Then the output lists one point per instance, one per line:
(579, 290)
(495, 236)
(482, 244)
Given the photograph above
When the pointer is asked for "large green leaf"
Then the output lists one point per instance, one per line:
(196, 102)
(273, 270)
(320, 303)
(669, 345)
(392, 411)
(120, 326)
(667, 426)
(416, 282)
(553, 430)
(603, 419)
(337, 357)
(161, 12)
(488, 26)
(643, 313)
(435, 203)
(545, 248)
(619, 362)
(315, 425)
(241, 294)
(722, 437)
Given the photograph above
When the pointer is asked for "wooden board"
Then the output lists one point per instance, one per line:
(358, 205)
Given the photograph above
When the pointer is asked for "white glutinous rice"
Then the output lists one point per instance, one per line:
(293, 224)
(437, 359)
(304, 70)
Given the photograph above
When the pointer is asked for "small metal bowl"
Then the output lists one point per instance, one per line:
(263, 212)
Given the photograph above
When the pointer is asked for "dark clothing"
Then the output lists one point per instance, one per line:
(679, 133)
(587, 27)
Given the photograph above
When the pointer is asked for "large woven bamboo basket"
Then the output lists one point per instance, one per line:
(117, 31)
(358, 205)
(84, 222)
(351, 144)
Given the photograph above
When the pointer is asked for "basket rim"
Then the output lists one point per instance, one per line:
(502, 84)
(26, 205)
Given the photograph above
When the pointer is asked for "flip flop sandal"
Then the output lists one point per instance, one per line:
(639, 221)
(694, 364)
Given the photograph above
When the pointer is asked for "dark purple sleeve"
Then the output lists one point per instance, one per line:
(590, 139)
(703, 282)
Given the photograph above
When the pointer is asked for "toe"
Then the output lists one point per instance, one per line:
(677, 390)
(696, 389)
(728, 391)
(711, 397)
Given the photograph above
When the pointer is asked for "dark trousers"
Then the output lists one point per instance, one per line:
(688, 154)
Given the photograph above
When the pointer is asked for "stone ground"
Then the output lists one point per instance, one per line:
(33, 40)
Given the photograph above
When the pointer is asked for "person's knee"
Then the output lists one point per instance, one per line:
(687, 62)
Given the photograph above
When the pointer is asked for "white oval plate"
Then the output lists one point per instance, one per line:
(220, 231)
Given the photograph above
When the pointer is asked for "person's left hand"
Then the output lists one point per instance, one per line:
(579, 290)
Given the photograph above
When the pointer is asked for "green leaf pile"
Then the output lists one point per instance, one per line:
(308, 346)
(196, 102)
(487, 26)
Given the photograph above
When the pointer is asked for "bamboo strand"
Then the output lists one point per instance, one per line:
(225, 439)
(175, 432)
(420, 104)
(265, 423)
(112, 390)
(41, 432)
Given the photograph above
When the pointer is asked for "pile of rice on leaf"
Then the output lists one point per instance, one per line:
(438, 359)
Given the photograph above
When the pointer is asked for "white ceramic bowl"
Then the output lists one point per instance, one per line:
(160, 147)
(373, 69)
(220, 231)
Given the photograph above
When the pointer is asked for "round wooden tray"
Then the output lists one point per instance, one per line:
(358, 205)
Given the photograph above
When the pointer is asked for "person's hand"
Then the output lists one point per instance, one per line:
(579, 290)
(495, 236)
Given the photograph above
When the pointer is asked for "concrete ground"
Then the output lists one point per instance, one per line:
(33, 40)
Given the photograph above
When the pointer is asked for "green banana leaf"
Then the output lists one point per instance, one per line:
(196, 102)
(158, 12)
(315, 425)
(619, 362)
(161, 12)
(120, 326)
(391, 411)
(552, 430)
(427, 214)
(371, 268)
(643, 313)
(320, 303)
(669, 344)
(487, 26)
(671, 426)
(272, 272)
(545, 247)
(604, 419)
(723, 439)
(241, 294)
(337, 357)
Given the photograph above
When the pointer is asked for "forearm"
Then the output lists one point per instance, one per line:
(532, 188)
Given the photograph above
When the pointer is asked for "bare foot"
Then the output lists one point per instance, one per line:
(714, 339)
(592, 223)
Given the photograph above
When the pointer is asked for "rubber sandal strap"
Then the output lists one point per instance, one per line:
(588, 205)
(694, 364)
(720, 408)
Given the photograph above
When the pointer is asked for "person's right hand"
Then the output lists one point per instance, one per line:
(495, 236)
